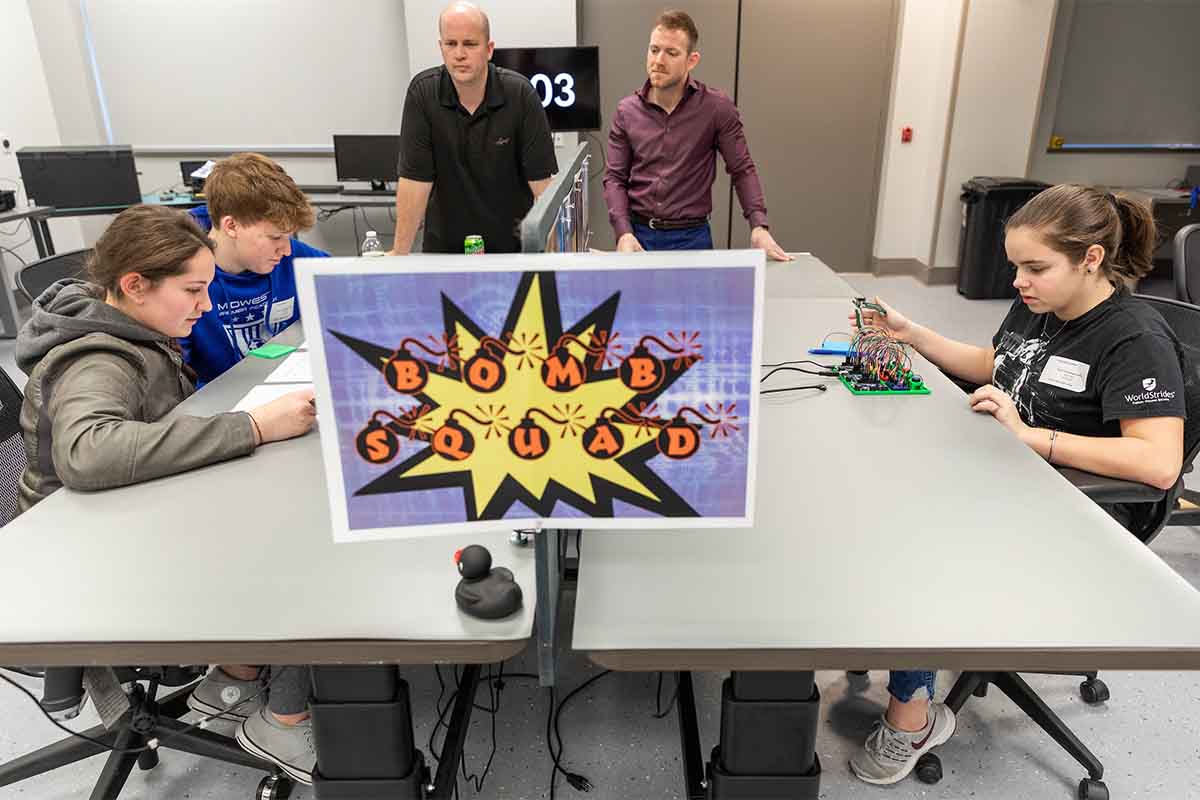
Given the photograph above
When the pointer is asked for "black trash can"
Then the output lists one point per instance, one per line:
(988, 202)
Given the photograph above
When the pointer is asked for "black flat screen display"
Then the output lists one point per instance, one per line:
(366, 157)
(567, 79)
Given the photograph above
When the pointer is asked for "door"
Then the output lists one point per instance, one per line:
(814, 80)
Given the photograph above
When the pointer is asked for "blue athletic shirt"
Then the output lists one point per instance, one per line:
(248, 309)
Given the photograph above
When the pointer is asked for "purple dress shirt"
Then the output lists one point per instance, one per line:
(662, 166)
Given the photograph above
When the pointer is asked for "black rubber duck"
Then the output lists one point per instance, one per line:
(485, 591)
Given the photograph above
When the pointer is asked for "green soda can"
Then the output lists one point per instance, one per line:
(473, 245)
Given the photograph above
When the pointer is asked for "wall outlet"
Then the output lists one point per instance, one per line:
(6, 145)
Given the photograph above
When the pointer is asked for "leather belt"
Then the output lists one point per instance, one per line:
(655, 224)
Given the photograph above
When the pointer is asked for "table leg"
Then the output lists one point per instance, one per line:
(456, 734)
(689, 737)
(768, 738)
(40, 228)
(363, 734)
(362, 729)
(546, 616)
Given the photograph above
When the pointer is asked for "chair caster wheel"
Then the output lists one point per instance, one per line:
(929, 768)
(147, 760)
(1092, 790)
(1093, 691)
(276, 786)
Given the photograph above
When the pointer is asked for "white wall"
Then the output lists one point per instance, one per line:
(515, 23)
(26, 118)
(241, 74)
(59, 30)
(1001, 74)
(922, 83)
(386, 54)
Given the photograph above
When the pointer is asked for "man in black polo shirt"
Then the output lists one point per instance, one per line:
(475, 145)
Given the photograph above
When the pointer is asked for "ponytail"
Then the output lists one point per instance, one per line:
(1072, 218)
(1134, 257)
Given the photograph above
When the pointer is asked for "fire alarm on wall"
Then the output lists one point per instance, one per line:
(906, 134)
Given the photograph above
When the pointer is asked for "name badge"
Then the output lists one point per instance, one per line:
(1065, 373)
(281, 310)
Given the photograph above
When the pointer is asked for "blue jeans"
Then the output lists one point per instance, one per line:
(904, 684)
(697, 238)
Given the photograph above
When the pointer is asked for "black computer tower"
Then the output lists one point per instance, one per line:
(79, 177)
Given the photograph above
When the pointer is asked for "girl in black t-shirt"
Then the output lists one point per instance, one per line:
(1083, 373)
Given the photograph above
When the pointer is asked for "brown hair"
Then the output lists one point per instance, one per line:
(150, 240)
(1072, 218)
(674, 19)
(252, 188)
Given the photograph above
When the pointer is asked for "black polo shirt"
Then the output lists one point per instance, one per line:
(480, 164)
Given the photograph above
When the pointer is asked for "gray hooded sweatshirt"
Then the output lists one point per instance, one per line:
(99, 384)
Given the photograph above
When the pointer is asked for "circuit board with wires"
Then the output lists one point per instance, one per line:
(860, 382)
(878, 364)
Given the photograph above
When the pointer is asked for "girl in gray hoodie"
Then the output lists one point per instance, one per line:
(105, 369)
(104, 366)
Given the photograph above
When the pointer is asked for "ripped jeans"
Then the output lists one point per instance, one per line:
(905, 684)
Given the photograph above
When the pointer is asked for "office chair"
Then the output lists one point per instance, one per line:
(1187, 263)
(35, 278)
(12, 447)
(1144, 511)
(1187, 279)
(148, 717)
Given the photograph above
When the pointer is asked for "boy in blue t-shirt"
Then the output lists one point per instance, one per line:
(254, 209)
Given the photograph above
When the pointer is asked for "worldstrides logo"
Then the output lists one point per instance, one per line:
(1152, 394)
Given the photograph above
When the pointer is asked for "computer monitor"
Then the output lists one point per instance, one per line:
(1191, 178)
(373, 157)
(186, 168)
(567, 79)
(80, 177)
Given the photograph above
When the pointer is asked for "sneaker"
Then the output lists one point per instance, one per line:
(289, 746)
(890, 754)
(223, 697)
(858, 681)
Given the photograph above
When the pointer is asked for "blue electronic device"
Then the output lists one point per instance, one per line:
(831, 349)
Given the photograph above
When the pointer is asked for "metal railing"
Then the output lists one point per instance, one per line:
(559, 220)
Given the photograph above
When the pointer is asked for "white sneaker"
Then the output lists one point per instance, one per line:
(224, 697)
(889, 754)
(289, 746)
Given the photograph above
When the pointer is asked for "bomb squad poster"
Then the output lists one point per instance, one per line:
(521, 391)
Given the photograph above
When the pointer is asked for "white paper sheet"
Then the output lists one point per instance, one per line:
(204, 170)
(296, 368)
(266, 393)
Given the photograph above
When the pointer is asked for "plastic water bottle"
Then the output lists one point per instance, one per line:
(371, 245)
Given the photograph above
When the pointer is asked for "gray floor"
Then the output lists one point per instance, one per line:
(1148, 734)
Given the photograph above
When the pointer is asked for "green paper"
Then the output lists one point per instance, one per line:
(272, 350)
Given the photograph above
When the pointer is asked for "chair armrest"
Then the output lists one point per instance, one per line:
(1106, 490)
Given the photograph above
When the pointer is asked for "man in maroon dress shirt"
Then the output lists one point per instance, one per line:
(662, 153)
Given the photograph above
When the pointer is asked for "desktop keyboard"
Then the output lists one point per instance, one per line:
(369, 192)
(321, 188)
